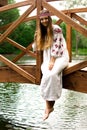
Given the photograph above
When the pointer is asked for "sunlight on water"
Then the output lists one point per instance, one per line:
(23, 107)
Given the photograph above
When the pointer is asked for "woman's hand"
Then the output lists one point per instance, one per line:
(51, 63)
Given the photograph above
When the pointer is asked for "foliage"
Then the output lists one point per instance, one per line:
(23, 34)
(9, 15)
(63, 26)
(79, 42)
(75, 3)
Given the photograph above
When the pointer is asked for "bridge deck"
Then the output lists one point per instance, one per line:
(74, 76)
(75, 80)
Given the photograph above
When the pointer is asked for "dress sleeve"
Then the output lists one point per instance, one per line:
(34, 46)
(59, 44)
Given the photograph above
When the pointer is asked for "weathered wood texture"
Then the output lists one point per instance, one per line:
(18, 69)
(9, 75)
(3, 2)
(74, 77)
(72, 67)
(76, 81)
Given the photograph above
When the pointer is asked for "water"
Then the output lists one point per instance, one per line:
(22, 108)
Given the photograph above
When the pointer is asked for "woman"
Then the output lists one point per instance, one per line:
(49, 38)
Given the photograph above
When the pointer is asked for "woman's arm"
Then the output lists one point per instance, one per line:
(51, 63)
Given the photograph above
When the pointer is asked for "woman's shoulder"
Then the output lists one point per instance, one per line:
(57, 29)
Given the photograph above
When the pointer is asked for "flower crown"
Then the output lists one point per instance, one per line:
(44, 13)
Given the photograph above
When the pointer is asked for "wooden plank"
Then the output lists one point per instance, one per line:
(14, 43)
(59, 21)
(77, 10)
(17, 69)
(9, 75)
(81, 20)
(65, 18)
(16, 5)
(16, 23)
(69, 39)
(53, 0)
(39, 53)
(22, 48)
(25, 20)
(76, 81)
(23, 53)
(72, 68)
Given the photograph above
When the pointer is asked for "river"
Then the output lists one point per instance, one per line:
(22, 108)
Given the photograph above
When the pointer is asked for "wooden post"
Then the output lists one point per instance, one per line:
(39, 53)
(69, 39)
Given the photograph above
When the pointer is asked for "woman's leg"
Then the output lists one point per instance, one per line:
(49, 109)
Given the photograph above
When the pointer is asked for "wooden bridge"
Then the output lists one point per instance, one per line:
(74, 76)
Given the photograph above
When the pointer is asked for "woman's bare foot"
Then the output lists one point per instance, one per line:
(47, 112)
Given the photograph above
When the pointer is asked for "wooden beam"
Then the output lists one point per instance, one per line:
(17, 69)
(16, 5)
(16, 23)
(69, 39)
(76, 81)
(53, 0)
(72, 68)
(39, 53)
(9, 75)
(23, 53)
(25, 20)
(77, 10)
(81, 20)
(65, 18)
(70, 11)
(59, 21)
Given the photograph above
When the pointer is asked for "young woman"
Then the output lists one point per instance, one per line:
(50, 40)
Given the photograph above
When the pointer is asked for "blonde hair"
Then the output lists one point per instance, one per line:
(44, 36)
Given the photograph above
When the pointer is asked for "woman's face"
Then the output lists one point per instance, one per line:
(44, 21)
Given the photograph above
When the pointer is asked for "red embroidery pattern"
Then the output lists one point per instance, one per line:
(56, 45)
(55, 40)
(57, 30)
(57, 48)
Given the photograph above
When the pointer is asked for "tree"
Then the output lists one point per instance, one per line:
(81, 41)
(9, 16)
(23, 34)
(75, 3)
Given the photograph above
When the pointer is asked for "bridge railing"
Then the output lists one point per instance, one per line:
(63, 15)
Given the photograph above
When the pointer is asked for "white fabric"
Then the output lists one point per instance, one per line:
(51, 82)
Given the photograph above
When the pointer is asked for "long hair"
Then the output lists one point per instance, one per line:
(44, 37)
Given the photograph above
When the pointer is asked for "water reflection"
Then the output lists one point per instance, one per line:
(21, 107)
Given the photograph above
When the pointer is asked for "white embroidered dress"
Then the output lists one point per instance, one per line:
(51, 82)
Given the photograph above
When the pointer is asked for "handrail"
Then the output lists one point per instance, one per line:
(16, 5)
(65, 18)
(17, 69)
(63, 15)
(16, 23)
(75, 67)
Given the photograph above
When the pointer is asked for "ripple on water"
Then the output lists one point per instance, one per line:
(23, 107)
